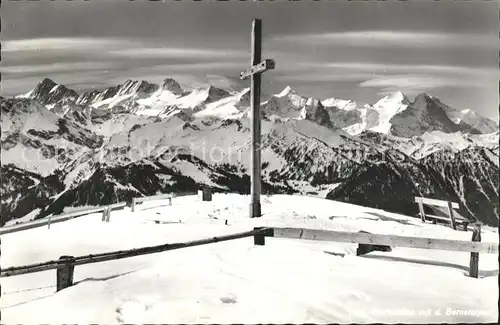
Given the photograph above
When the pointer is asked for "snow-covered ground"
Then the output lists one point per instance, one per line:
(285, 281)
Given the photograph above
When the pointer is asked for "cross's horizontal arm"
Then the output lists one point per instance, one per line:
(265, 65)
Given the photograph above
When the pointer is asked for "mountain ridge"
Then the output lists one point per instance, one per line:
(180, 139)
(142, 97)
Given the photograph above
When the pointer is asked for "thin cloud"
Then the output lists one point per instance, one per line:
(408, 92)
(113, 47)
(196, 66)
(407, 83)
(322, 77)
(70, 67)
(64, 44)
(166, 52)
(388, 67)
(83, 61)
(435, 75)
(411, 39)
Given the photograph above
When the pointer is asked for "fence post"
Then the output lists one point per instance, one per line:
(133, 205)
(104, 214)
(474, 257)
(48, 223)
(452, 218)
(108, 214)
(207, 194)
(259, 239)
(422, 211)
(65, 273)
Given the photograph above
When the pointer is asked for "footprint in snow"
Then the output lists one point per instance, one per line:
(229, 299)
(357, 296)
(130, 311)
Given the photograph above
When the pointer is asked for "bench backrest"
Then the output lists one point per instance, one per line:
(447, 204)
(439, 203)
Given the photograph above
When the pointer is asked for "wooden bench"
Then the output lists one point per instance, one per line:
(452, 218)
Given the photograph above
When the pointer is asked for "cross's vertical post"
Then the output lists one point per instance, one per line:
(255, 209)
(257, 67)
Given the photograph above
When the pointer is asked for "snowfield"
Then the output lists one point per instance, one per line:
(285, 281)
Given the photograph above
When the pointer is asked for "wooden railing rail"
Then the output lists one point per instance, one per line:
(96, 258)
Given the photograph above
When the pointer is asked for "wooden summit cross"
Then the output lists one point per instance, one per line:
(254, 73)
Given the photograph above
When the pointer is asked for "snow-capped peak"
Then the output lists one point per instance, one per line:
(421, 100)
(378, 117)
(287, 91)
(47, 82)
(476, 121)
(424, 114)
(215, 93)
(205, 95)
(48, 92)
(172, 86)
(339, 103)
(287, 103)
(135, 86)
(394, 98)
(311, 101)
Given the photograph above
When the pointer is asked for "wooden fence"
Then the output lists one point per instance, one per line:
(65, 265)
(106, 212)
(363, 238)
(53, 219)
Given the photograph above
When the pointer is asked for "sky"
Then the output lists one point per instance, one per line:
(358, 50)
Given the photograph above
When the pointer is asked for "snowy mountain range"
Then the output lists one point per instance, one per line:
(61, 148)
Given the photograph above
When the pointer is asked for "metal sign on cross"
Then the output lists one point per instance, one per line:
(257, 67)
